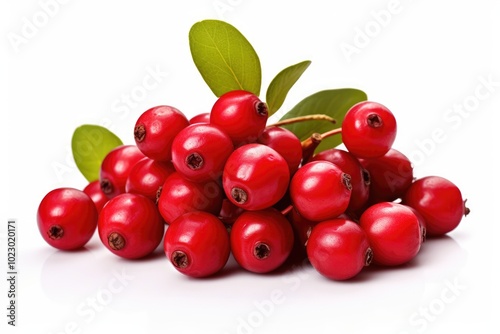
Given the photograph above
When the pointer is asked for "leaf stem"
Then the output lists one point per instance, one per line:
(314, 117)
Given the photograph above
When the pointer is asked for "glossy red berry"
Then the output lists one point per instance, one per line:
(94, 191)
(200, 151)
(155, 130)
(197, 244)
(285, 142)
(179, 196)
(320, 190)
(360, 177)
(147, 176)
(368, 129)
(301, 230)
(440, 203)
(338, 249)
(261, 241)
(229, 212)
(241, 114)
(255, 177)
(391, 175)
(130, 226)
(393, 231)
(67, 218)
(116, 167)
(200, 118)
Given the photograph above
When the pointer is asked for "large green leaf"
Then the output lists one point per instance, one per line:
(224, 57)
(334, 103)
(282, 83)
(90, 144)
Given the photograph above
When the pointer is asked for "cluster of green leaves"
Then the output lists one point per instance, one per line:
(227, 61)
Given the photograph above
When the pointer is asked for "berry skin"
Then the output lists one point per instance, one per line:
(200, 118)
(440, 203)
(179, 196)
(393, 231)
(116, 167)
(255, 177)
(147, 176)
(391, 175)
(229, 212)
(197, 244)
(200, 151)
(94, 191)
(130, 226)
(67, 218)
(241, 114)
(155, 130)
(320, 191)
(368, 129)
(338, 249)
(360, 177)
(285, 142)
(261, 241)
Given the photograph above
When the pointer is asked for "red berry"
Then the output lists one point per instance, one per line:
(200, 151)
(94, 191)
(179, 196)
(229, 212)
(116, 167)
(255, 177)
(360, 177)
(200, 118)
(241, 114)
(393, 232)
(261, 241)
(147, 176)
(130, 226)
(67, 218)
(301, 230)
(155, 130)
(368, 129)
(286, 143)
(439, 201)
(320, 190)
(338, 249)
(390, 176)
(197, 244)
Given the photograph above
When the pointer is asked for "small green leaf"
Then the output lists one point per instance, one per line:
(224, 57)
(282, 83)
(90, 144)
(334, 103)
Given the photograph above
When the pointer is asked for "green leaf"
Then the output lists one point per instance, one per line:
(282, 83)
(90, 144)
(224, 57)
(334, 103)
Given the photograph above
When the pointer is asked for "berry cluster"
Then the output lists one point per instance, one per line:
(225, 183)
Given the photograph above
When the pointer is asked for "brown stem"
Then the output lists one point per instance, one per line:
(331, 133)
(368, 257)
(314, 117)
(309, 145)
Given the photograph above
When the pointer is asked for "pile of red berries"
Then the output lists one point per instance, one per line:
(224, 183)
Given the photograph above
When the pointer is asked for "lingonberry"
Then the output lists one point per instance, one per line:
(67, 218)
(439, 201)
(179, 195)
(368, 129)
(155, 130)
(338, 249)
(301, 230)
(200, 118)
(285, 142)
(393, 232)
(116, 167)
(200, 151)
(241, 114)
(391, 175)
(147, 176)
(360, 177)
(197, 244)
(94, 191)
(320, 190)
(130, 226)
(261, 241)
(255, 177)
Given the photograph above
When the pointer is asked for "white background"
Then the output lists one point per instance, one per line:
(425, 61)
